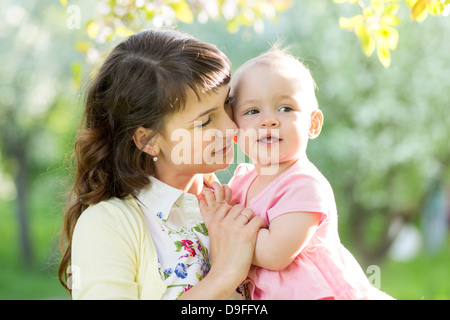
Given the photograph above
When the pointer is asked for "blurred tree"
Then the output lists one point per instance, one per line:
(35, 76)
(128, 16)
(375, 26)
(121, 18)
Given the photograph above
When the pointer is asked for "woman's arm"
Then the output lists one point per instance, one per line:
(103, 260)
(286, 237)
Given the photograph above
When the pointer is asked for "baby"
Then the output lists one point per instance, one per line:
(299, 255)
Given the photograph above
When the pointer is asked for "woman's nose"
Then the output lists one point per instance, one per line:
(227, 128)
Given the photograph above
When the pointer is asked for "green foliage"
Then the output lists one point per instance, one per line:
(122, 18)
(375, 26)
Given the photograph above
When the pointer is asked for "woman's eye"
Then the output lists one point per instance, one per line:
(229, 100)
(204, 124)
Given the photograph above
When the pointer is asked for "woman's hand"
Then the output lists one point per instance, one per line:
(232, 233)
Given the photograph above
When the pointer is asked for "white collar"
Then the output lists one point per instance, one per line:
(160, 197)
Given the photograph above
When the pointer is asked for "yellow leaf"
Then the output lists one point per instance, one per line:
(83, 46)
(411, 3)
(77, 71)
(377, 6)
(352, 23)
(387, 37)
(422, 17)
(418, 9)
(384, 55)
(123, 31)
(282, 5)
(435, 7)
(63, 2)
(392, 9)
(247, 17)
(182, 11)
(92, 29)
(367, 41)
(390, 19)
(233, 26)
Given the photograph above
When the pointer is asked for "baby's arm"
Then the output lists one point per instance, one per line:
(286, 237)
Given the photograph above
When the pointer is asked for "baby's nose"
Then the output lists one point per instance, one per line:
(269, 122)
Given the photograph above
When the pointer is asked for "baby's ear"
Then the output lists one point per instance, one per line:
(315, 125)
(142, 140)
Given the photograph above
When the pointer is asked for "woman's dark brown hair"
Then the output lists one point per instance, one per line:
(142, 81)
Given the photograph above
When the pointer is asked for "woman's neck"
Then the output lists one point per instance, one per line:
(190, 183)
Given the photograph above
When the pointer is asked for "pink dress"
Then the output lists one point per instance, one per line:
(324, 269)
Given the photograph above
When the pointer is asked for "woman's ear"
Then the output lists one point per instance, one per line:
(316, 124)
(142, 140)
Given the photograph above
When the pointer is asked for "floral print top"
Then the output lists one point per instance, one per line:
(179, 234)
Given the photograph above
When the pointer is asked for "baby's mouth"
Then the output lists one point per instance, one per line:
(269, 140)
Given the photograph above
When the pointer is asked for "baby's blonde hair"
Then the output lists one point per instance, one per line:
(273, 56)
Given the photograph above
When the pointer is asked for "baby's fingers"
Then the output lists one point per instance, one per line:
(218, 192)
(208, 196)
(227, 193)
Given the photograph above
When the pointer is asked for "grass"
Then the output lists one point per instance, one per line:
(427, 277)
(38, 281)
(20, 284)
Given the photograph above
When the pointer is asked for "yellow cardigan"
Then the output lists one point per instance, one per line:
(113, 255)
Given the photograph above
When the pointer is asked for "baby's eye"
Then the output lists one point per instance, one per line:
(285, 108)
(251, 111)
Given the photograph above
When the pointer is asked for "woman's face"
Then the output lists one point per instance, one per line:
(199, 138)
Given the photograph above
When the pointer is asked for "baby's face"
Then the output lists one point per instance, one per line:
(273, 107)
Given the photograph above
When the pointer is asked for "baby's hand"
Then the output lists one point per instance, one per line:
(216, 195)
(211, 199)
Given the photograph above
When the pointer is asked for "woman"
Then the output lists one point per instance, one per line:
(156, 125)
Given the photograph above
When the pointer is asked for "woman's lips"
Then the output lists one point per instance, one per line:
(224, 150)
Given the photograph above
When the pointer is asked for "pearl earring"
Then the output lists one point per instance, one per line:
(155, 159)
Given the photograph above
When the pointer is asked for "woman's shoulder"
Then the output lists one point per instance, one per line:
(113, 249)
(112, 208)
(114, 213)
